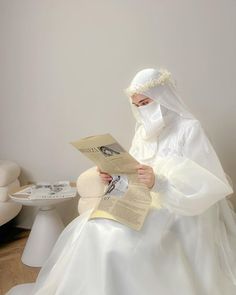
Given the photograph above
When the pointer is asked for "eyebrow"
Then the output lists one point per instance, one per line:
(140, 100)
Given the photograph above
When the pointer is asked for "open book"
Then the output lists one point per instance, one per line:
(112, 158)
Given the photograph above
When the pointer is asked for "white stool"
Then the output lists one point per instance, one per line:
(45, 231)
(22, 289)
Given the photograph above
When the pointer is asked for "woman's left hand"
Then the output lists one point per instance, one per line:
(146, 175)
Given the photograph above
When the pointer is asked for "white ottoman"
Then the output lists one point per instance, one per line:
(90, 189)
(9, 173)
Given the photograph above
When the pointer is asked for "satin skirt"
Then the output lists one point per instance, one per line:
(170, 254)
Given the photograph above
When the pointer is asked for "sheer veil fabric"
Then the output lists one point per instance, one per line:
(189, 177)
(189, 244)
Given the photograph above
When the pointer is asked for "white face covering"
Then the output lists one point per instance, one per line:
(151, 119)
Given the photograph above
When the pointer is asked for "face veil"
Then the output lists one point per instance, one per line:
(151, 119)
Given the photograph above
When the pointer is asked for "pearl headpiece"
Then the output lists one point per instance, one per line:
(164, 78)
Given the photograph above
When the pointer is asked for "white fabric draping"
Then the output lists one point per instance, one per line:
(187, 246)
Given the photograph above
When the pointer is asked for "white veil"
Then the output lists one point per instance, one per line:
(193, 182)
(158, 85)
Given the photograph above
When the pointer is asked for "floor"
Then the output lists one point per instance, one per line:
(12, 270)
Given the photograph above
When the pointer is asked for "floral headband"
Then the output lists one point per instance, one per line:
(164, 78)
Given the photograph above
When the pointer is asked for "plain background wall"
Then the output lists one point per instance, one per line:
(64, 65)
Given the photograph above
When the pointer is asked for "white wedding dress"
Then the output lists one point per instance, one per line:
(187, 246)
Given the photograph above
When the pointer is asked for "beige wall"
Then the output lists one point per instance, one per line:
(64, 65)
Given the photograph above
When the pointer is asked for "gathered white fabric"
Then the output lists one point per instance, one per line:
(188, 245)
(190, 180)
(181, 144)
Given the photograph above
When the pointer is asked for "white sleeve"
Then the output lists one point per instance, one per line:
(186, 187)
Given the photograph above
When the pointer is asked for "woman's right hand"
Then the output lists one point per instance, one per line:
(105, 177)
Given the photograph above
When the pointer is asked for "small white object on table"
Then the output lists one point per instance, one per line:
(46, 228)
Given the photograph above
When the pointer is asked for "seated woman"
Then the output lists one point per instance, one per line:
(187, 246)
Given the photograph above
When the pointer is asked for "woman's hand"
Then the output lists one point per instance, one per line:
(105, 177)
(146, 175)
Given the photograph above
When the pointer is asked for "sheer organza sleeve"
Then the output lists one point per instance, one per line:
(189, 184)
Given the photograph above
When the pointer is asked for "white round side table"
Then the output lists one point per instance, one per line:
(45, 231)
